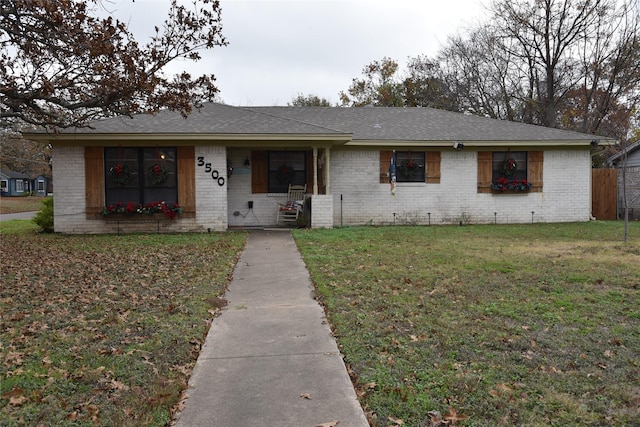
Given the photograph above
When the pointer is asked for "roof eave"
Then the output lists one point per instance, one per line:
(478, 144)
(189, 138)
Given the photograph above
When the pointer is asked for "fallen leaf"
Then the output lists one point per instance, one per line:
(305, 396)
(453, 416)
(329, 424)
(396, 421)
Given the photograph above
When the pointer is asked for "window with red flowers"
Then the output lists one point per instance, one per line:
(141, 175)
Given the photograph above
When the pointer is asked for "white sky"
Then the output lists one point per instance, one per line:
(281, 48)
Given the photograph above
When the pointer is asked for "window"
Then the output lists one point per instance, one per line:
(4, 185)
(286, 167)
(410, 166)
(40, 185)
(427, 162)
(19, 186)
(528, 165)
(511, 165)
(140, 175)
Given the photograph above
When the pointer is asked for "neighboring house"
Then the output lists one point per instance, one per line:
(632, 175)
(451, 168)
(19, 184)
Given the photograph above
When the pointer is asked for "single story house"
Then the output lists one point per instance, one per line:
(231, 166)
(632, 176)
(19, 184)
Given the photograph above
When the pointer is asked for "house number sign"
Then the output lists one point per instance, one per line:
(215, 175)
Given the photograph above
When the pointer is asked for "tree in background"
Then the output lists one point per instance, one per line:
(570, 64)
(61, 65)
(28, 157)
(379, 87)
(384, 86)
(308, 101)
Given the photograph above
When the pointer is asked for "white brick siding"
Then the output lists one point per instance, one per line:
(355, 179)
(211, 188)
(357, 196)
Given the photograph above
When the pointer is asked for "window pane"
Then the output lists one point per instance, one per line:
(409, 166)
(121, 167)
(511, 165)
(286, 167)
(160, 167)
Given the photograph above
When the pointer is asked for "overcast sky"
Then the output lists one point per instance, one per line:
(281, 48)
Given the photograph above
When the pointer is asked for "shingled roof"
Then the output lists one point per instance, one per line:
(353, 126)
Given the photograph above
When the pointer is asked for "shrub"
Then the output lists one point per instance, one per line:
(44, 217)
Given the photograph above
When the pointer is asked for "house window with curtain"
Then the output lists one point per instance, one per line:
(140, 175)
(410, 166)
(284, 168)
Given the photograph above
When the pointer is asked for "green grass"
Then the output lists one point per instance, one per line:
(104, 330)
(528, 325)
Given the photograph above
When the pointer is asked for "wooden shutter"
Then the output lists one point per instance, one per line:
(385, 159)
(94, 181)
(432, 172)
(485, 171)
(187, 178)
(536, 162)
(259, 171)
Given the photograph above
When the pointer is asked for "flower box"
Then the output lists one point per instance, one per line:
(506, 186)
(133, 211)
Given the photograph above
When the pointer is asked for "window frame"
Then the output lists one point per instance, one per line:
(19, 185)
(4, 185)
(137, 160)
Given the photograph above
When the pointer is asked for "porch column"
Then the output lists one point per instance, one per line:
(327, 166)
(315, 171)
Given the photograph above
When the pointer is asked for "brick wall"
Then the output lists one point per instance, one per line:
(322, 211)
(359, 197)
(212, 184)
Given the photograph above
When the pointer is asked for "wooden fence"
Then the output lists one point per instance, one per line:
(604, 193)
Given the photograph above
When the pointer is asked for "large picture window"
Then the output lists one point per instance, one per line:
(140, 175)
(286, 167)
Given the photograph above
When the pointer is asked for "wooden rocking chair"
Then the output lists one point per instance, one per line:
(290, 211)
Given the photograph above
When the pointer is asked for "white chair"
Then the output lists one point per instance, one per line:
(290, 211)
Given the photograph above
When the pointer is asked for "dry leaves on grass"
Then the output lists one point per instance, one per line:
(101, 324)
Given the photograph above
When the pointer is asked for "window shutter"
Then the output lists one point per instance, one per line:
(385, 159)
(187, 178)
(259, 171)
(432, 172)
(536, 162)
(485, 171)
(94, 181)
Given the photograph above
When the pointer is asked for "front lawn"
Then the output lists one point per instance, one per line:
(104, 330)
(514, 325)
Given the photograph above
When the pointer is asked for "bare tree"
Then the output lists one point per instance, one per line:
(61, 65)
(573, 64)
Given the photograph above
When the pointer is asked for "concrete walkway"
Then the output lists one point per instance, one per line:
(269, 358)
(20, 215)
